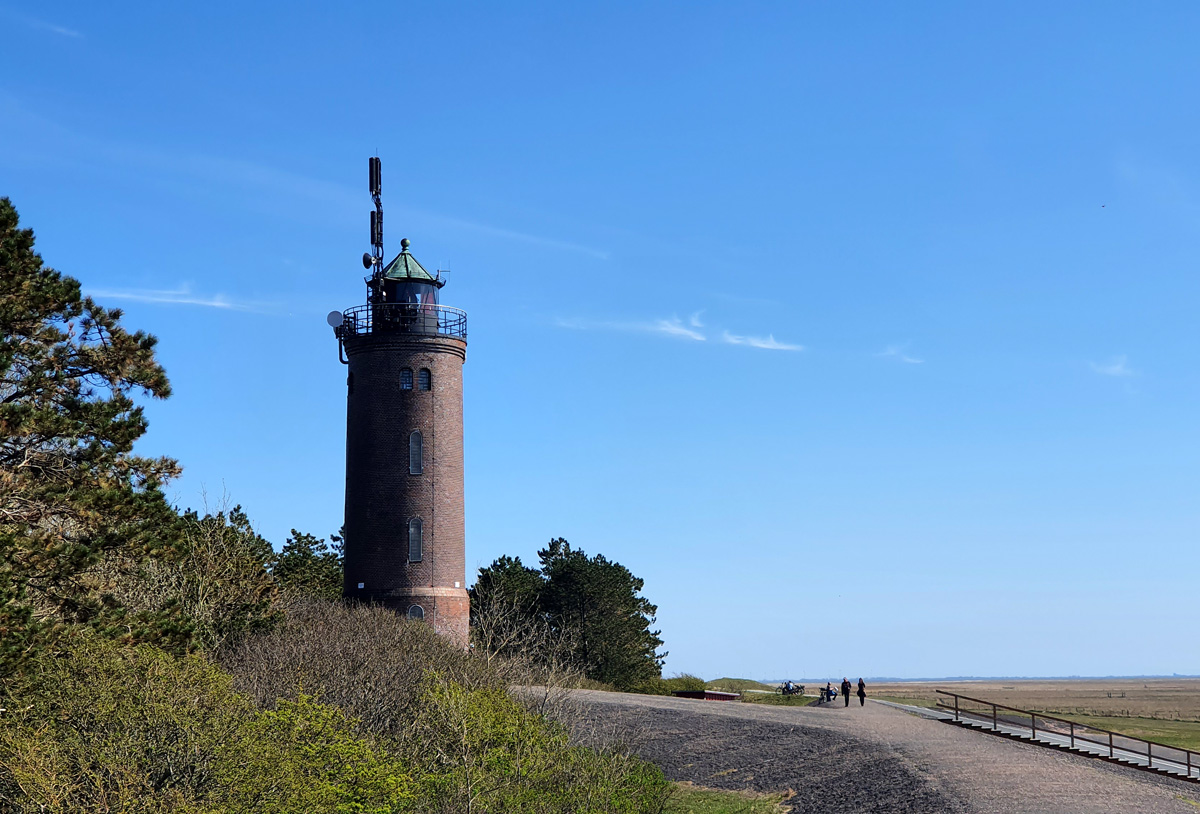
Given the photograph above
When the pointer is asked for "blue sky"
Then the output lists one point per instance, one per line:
(865, 333)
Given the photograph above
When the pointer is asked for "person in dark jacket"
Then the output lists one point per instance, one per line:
(846, 690)
(862, 693)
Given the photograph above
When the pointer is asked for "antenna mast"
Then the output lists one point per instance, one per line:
(373, 260)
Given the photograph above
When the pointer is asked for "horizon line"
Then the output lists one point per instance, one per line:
(896, 680)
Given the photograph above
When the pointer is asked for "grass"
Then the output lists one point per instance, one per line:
(1171, 699)
(691, 799)
(1184, 734)
(902, 699)
(737, 685)
(1161, 710)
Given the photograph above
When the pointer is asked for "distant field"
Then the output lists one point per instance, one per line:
(1165, 710)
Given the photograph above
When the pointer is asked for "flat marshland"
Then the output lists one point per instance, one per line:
(1166, 710)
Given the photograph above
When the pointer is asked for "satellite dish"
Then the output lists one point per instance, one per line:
(368, 260)
(334, 319)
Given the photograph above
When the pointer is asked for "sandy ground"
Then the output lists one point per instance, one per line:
(875, 759)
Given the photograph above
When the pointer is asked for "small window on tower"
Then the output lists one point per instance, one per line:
(416, 612)
(406, 379)
(416, 453)
(424, 379)
(414, 540)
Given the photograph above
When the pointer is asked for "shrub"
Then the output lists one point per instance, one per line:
(101, 727)
(447, 714)
(666, 686)
(216, 579)
(306, 757)
(106, 728)
(480, 750)
(364, 659)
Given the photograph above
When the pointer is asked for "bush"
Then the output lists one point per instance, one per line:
(666, 686)
(448, 714)
(106, 728)
(482, 751)
(364, 659)
(102, 727)
(306, 757)
(215, 580)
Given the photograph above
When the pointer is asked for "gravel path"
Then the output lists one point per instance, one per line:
(875, 759)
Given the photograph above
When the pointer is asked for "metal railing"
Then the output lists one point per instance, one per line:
(400, 317)
(1118, 744)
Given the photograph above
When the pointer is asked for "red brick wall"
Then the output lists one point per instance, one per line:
(381, 495)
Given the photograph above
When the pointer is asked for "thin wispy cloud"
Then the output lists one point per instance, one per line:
(675, 327)
(1117, 366)
(768, 342)
(41, 25)
(512, 234)
(672, 327)
(252, 185)
(898, 353)
(178, 296)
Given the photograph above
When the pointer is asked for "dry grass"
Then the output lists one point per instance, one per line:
(1166, 710)
(1162, 698)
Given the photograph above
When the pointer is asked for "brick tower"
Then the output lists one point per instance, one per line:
(404, 532)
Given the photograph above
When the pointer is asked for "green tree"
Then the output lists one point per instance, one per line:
(71, 490)
(509, 581)
(598, 603)
(508, 626)
(591, 605)
(309, 566)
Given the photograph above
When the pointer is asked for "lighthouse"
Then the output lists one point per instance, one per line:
(404, 539)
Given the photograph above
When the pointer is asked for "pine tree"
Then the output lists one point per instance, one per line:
(71, 490)
(598, 602)
(591, 604)
(309, 566)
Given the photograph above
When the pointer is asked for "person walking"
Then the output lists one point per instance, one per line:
(862, 693)
(846, 690)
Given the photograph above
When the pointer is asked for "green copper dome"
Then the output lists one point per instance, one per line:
(405, 267)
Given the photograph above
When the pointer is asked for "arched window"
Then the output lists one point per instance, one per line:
(406, 379)
(416, 453)
(424, 379)
(416, 612)
(414, 540)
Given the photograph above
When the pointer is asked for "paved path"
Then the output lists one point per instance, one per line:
(877, 759)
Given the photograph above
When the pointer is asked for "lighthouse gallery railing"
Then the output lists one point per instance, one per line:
(402, 317)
